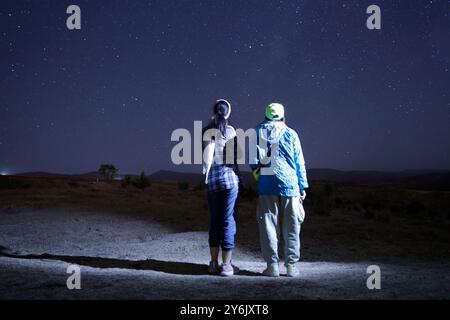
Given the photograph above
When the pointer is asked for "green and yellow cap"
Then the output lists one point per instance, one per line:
(275, 111)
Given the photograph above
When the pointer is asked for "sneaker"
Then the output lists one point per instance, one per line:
(272, 270)
(291, 270)
(227, 270)
(213, 267)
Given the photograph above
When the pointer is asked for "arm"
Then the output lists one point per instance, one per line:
(300, 165)
(208, 149)
(233, 152)
(238, 154)
(253, 157)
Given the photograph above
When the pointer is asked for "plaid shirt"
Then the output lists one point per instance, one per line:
(221, 177)
(224, 176)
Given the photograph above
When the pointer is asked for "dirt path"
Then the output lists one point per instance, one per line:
(136, 258)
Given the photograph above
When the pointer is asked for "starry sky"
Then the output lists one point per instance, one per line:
(116, 89)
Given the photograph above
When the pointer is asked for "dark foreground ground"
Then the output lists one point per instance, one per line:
(152, 244)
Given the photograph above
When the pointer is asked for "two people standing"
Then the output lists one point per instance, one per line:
(279, 167)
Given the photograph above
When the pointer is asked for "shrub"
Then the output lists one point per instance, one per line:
(142, 182)
(125, 182)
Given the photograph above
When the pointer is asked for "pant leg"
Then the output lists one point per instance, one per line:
(236, 207)
(215, 226)
(268, 214)
(293, 215)
(228, 202)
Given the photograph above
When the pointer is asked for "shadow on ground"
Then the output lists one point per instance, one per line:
(171, 267)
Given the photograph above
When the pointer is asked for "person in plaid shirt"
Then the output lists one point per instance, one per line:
(222, 186)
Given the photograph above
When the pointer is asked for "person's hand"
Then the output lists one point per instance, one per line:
(302, 195)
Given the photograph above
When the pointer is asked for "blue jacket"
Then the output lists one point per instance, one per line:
(280, 157)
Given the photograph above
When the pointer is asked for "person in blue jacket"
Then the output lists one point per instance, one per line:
(279, 167)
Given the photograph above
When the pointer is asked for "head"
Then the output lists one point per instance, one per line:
(222, 108)
(275, 112)
(222, 111)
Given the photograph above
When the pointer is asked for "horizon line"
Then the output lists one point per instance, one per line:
(7, 173)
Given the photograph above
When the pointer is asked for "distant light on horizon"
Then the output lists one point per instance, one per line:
(4, 173)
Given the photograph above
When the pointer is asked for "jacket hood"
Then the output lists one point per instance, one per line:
(272, 131)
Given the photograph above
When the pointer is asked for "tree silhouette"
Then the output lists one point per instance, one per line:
(107, 171)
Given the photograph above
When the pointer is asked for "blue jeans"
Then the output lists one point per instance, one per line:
(223, 208)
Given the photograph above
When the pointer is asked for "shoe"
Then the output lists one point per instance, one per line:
(272, 270)
(291, 270)
(213, 267)
(227, 270)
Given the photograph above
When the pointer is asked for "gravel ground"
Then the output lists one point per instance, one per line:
(124, 257)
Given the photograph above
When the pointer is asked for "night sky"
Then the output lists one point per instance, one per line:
(115, 90)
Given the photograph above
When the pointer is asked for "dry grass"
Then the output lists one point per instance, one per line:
(361, 221)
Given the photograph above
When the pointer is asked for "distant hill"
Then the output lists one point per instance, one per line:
(83, 176)
(87, 176)
(411, 176)
(166, 175)
(428, 177)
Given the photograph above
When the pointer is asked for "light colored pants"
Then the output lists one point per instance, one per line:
(280, 218)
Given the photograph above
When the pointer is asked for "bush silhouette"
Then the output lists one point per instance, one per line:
(126, 182)
(142, 182)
